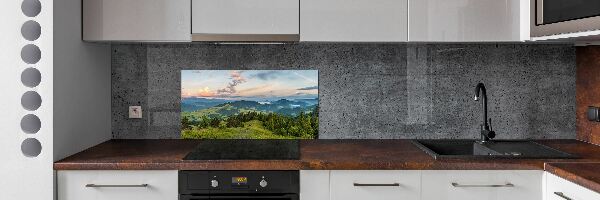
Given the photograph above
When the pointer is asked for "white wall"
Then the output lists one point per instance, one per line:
(82, 75)
(82, 89)
(24, 177)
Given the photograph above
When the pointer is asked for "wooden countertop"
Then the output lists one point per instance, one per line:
(584, 174)
(331, 155)
(315, 154)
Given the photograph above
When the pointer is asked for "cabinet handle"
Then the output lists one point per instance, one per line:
(376, 184)
(491, 185)
(114, 186)
(560, 194)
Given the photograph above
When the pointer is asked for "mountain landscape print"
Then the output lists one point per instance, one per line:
(249, 104)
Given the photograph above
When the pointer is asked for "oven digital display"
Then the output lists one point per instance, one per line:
(239, 180)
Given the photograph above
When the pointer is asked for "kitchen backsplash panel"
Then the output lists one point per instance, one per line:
(368, 91)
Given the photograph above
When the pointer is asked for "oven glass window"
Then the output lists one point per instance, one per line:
(564, 10)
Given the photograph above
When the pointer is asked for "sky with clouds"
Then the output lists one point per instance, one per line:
(258, 85)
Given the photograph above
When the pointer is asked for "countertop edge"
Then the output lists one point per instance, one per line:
(572, 176)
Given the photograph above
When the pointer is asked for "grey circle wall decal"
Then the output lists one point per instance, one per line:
(31, 77)
(30, 124)
(31, 54)
(31, 30)
(31, 147)
(31, 8)
(31, 100)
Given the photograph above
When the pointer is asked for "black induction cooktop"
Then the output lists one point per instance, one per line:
(246, 150)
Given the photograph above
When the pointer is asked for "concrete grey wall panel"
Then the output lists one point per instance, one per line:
(369, 90)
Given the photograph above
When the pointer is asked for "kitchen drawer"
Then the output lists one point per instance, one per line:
(375, 185)
(482, 185)
(117, 185)
(560, 189)
(314, 184)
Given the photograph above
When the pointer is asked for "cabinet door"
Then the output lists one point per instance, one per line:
(561, 189)
(314, 185)
(376, 185)
(245, 16)
(482, 185)
(353, 21)
(468, 20)
(136, 20)
(117, 185)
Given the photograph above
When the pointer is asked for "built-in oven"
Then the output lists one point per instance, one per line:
(237, 185)
(552, 17)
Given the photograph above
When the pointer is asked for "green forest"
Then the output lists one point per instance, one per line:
(250, 124)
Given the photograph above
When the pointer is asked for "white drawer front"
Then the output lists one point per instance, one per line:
(482, 185)
(343, 188)
(567, 189)
(162, 185)
(314, 184)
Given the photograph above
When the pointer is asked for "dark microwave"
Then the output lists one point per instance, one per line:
(553, 17)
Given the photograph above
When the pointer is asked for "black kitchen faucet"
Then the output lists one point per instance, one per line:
(486, 129)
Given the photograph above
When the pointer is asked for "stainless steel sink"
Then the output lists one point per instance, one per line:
(471, 149)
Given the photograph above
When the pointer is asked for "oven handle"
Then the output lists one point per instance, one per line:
(286, 196)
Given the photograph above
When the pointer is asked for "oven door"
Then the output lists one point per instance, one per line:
(241, 197)
(552, 17)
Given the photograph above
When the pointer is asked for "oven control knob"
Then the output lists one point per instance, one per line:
(263, 183)
(214, 183)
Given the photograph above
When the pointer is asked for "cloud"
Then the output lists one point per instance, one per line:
(267, 75)
(256, 90)
(304, 77)
(201, 92)
(309, 88)
(236, 79)
(205, 92)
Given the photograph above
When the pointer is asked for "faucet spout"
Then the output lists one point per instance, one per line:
(486, 132)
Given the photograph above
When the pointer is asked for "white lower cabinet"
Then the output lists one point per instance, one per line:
(422, 185)
(560, 189)
(375, 185)
(314, 184)
(117, 185)
(341, 185)
(482, 185)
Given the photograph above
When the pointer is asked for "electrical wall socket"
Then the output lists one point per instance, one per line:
(135, 112)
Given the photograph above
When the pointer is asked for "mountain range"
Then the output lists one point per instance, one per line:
(222, 107)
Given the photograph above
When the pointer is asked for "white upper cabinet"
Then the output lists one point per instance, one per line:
(354, 20)
(136, 20)
(245, 20)
(468, 20)
(307, 20)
